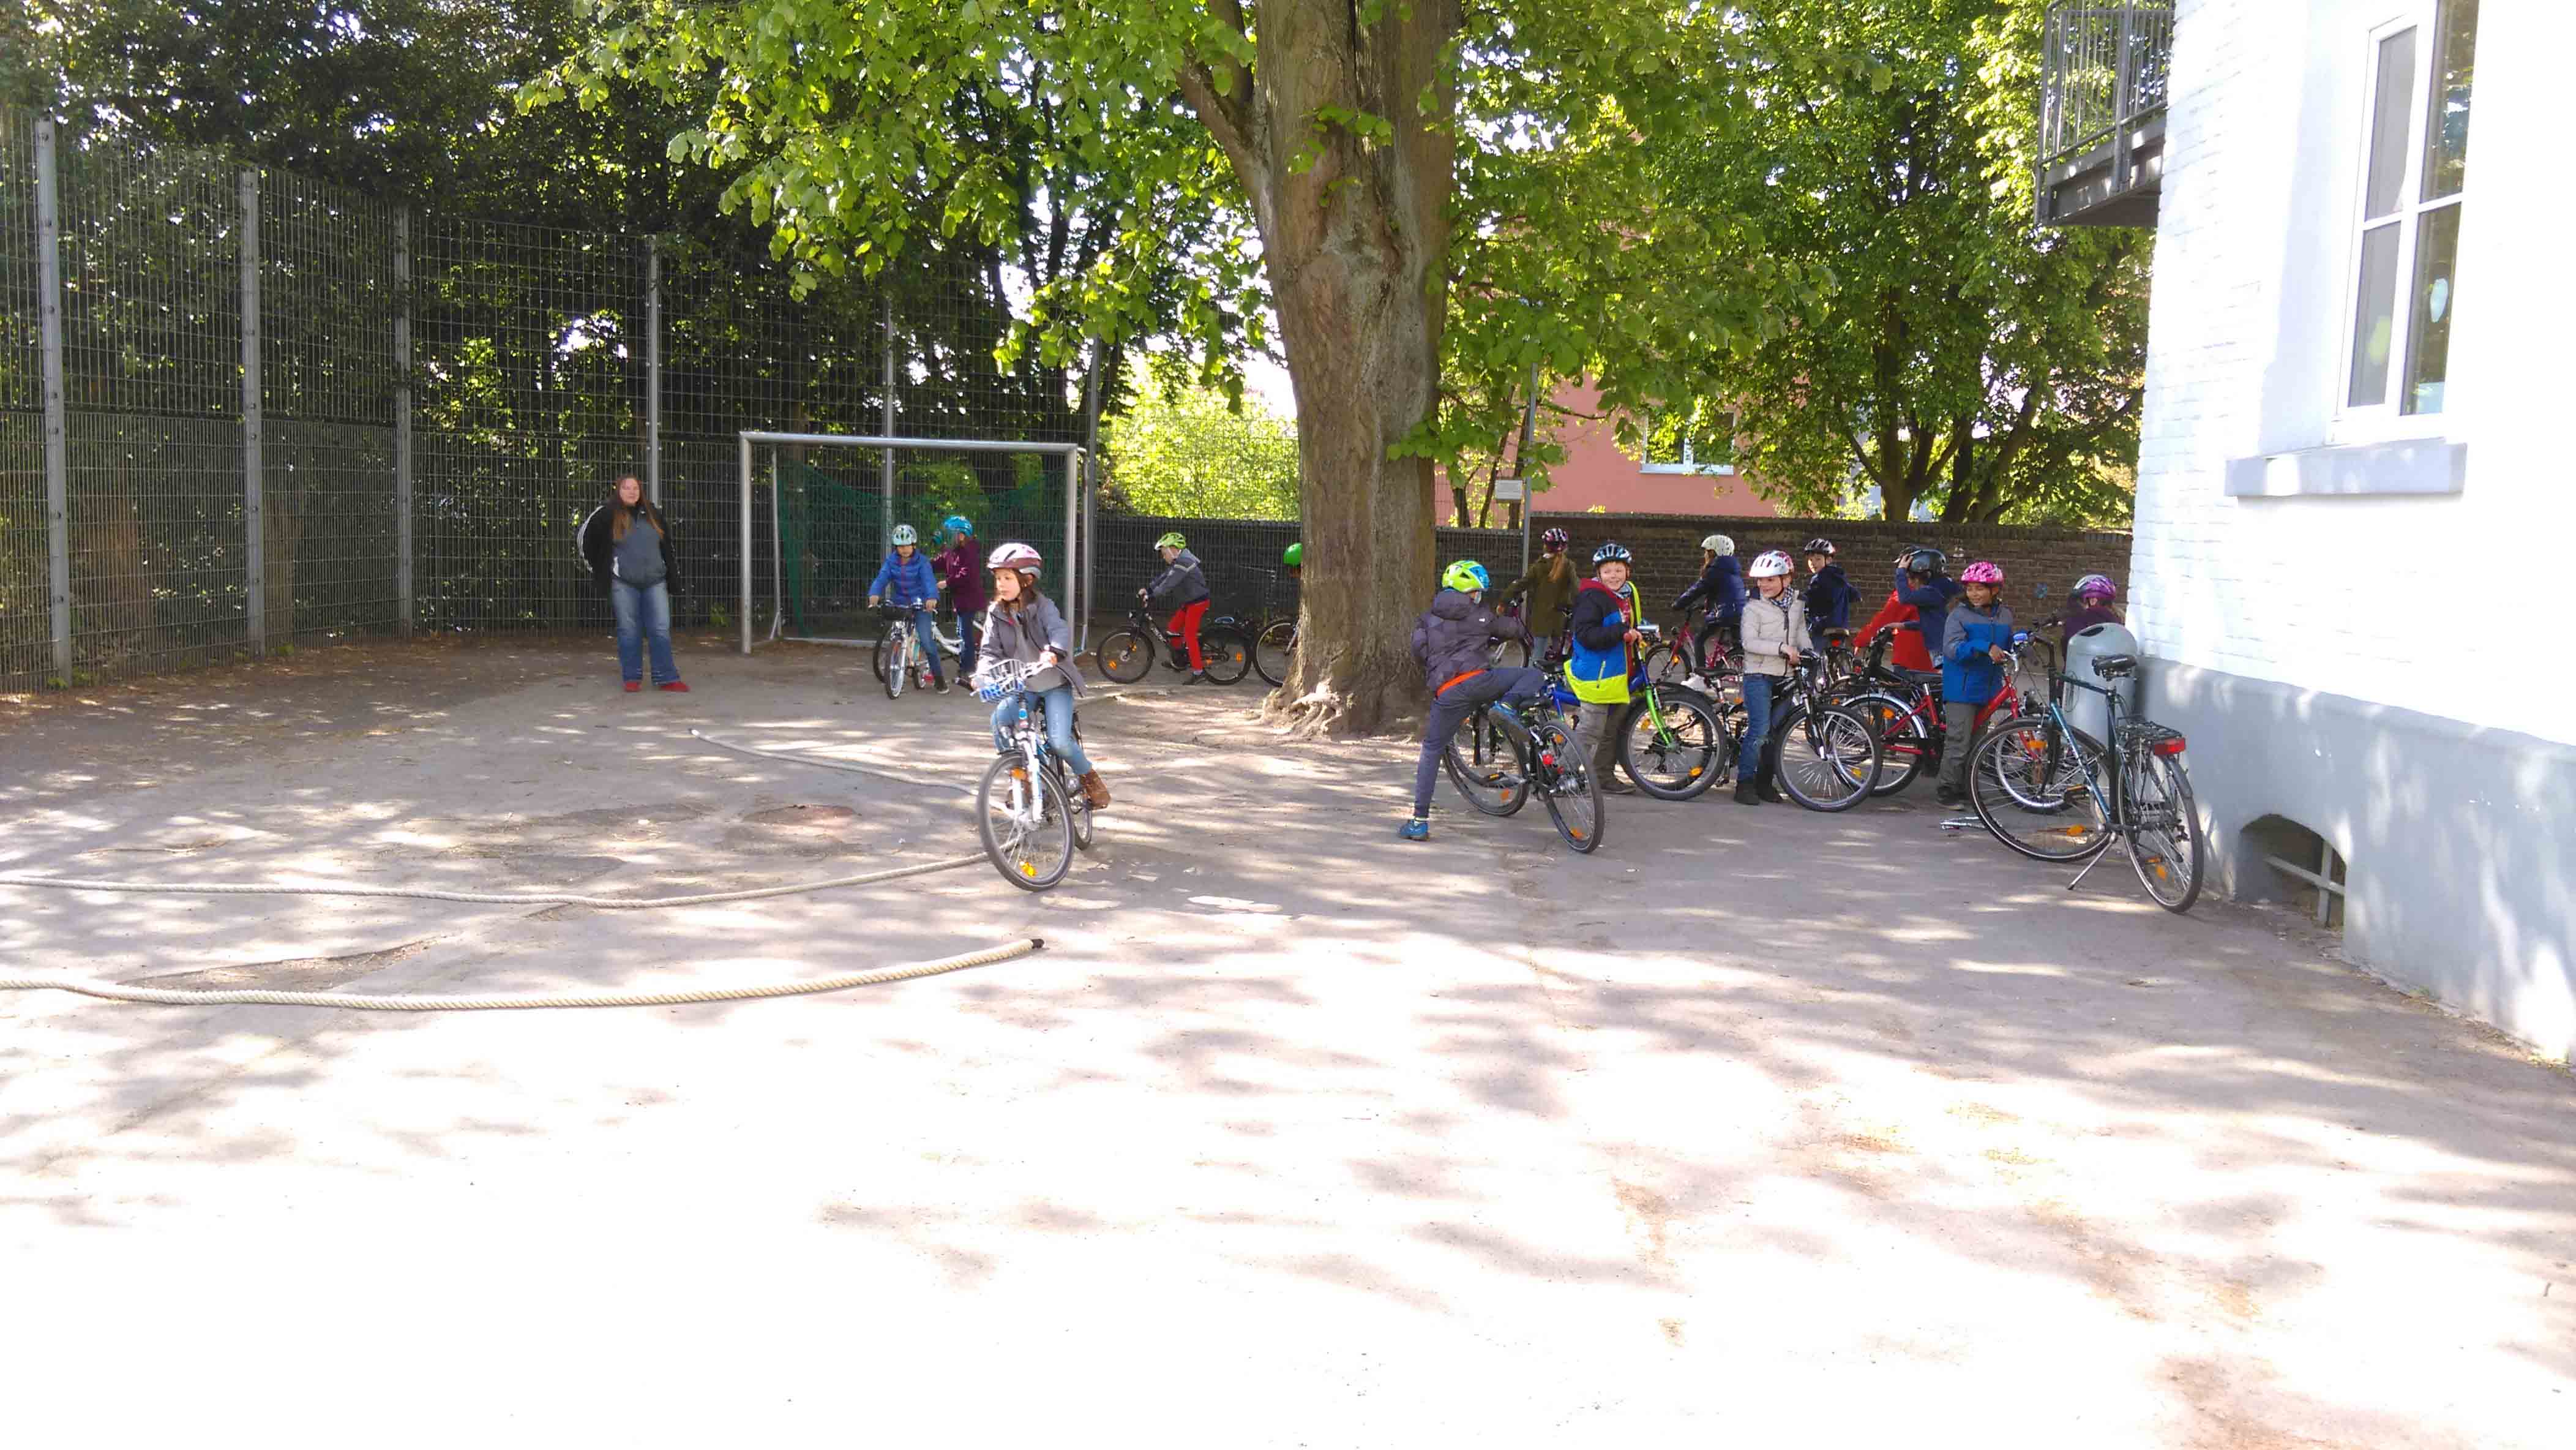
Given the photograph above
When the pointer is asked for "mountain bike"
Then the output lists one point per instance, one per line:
(1126, 654)
(1505, 750)
(2053, 793)
(901, 644)
(1027, 809)
(1825, 756)
(1902, 708)
(1673, 740)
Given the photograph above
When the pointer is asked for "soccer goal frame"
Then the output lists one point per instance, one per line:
(1078, 581)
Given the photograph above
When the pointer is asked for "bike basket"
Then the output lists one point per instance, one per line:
(999, 679)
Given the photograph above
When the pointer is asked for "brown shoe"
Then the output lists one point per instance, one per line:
(1095, 792)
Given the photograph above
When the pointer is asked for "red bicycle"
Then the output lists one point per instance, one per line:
(1903, 709)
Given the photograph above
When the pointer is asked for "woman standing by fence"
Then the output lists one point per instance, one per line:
(628, 547)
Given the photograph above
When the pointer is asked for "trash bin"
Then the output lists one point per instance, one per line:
(2085, 710)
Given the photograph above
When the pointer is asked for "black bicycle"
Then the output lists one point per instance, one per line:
(1505, 750)
(1128, 653)
(1673, 740)
(2053, 793)
(1825, 756)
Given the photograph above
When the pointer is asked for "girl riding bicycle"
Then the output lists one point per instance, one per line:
(961, 575)
(1024, 625)
(907, 581)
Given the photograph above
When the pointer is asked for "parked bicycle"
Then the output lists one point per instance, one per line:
(1902, 708)
(1127, 654)
(1825, 755)
(1028, 810)
(1506, 750)
(2053, 793)
(1673, 740)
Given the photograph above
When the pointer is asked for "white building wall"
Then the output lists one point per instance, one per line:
(2381, 670)
(2433, 604)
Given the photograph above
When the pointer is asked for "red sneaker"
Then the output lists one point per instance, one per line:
(633, 685)
(682, 686)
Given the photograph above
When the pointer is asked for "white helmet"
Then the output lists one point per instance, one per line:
(1769, 566)
(1015, 556)
(1718, 544)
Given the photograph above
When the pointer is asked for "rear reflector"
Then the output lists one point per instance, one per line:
(2169, 747)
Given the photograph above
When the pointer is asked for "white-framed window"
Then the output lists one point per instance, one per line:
(1690, 440)
(2404, 272)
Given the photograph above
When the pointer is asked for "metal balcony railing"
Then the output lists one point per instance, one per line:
(2102, 68)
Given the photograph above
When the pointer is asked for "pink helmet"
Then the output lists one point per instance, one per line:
(1981, 572)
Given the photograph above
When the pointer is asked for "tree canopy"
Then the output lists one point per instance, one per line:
(1188, 450)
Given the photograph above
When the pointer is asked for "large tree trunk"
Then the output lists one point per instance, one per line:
(1355, 233)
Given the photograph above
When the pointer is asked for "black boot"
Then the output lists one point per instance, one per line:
(1747, 793)
(1767, 784)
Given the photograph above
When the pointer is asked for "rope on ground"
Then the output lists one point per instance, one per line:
(177, 997)
(825, 763)
(489, 898)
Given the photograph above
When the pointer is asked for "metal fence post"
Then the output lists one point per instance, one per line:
(1086, 600)
(886, 422)
(49, 281)
(402, 419)
(255, 547)
(653, 369)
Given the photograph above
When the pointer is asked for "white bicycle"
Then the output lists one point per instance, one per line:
(1027, 810)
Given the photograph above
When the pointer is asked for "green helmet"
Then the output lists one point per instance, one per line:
(1171, 541)
(1465, 575)
(1294, 557)
(903, 534)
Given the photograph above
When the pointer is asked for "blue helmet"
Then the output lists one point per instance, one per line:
(958, 524)
(1609, 553)
(903, 534)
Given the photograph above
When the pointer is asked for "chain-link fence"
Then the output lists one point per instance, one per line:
(240, 410)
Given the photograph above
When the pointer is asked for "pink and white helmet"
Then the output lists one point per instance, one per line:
(1770, 566)
(1982, 572)
(1015, 556)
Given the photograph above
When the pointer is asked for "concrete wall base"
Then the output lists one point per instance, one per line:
(2459, 841)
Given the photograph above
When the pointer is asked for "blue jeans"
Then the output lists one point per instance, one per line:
(1757, 723)
(970, 641)
(643, 614)
(927, 638)
(1058, 705)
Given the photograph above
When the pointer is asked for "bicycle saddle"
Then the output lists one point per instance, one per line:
(2111, 667)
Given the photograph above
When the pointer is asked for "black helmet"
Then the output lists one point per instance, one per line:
(1819, 546)
(1927, 560)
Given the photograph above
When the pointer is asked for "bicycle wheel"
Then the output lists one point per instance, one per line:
(1904, 741)
(1678, 756)
(1664, 664)
(2032, 783)
(1026, 823)
(1572, 791)
(1508, 652)
(1826, 759)
(898, 671)
(1274, 652)
(1227, 653)
(1077, 809)
(1485, 766)
(877, 659)
(1125, 656)
(2166, 849)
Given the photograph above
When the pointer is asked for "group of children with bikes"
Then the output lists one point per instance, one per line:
(1756, 624)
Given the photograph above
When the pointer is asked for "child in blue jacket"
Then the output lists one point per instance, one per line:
(1975, 636)
(906, 581)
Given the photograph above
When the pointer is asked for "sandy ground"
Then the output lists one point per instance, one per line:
(1759, 1126)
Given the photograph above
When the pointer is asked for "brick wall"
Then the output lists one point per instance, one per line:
(1242, 555)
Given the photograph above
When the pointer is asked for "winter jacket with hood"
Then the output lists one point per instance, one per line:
(1181, 584)
(1830, 597)
(1772, 627)
(1970, 676)
(1906, 652)
(1720, 586)
(906, 585)
(1036, 628)
(1931, 605)
(1602, 659)
(961, 566)
(1550, 586)
(598, 543)
(1455, 637)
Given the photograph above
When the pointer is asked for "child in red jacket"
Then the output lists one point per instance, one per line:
(1908, 652)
